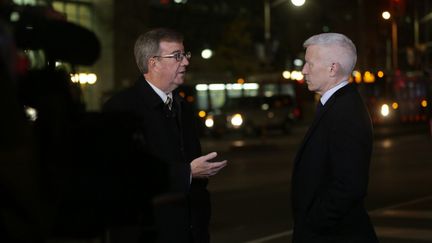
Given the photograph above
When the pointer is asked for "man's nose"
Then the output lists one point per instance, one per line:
(185, 61)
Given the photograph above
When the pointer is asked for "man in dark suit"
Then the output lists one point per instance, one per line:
(169, 134)
(330, 175)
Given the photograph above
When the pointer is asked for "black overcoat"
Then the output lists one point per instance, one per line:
(171, 137)
(330, 174)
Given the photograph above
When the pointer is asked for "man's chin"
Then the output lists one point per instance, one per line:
(179, 81)
(312, 89)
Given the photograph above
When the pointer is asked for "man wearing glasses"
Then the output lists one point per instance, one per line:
(169, 134)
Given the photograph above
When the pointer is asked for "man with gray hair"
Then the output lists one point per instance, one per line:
(331, 168)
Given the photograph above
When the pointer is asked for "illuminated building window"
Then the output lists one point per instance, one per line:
(270, 90)
(80, 13)
(26, 2)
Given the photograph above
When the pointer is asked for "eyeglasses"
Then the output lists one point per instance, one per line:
(178, 56)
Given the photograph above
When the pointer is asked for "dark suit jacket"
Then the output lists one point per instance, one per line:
(330, 176)
(171, 137)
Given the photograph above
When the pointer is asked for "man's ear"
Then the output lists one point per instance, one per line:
(334, 69)
(151, 63)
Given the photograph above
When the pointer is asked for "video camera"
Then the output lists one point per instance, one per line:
(92, 174)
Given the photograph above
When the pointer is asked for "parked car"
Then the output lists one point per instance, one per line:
(254, 115)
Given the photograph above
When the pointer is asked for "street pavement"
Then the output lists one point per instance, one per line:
(271, 139)
(408, 222)
(398, 217)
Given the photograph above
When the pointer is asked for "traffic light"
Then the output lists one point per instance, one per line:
(397, 7)
(160, 2)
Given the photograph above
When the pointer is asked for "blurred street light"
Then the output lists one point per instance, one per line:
(206, 53)
(286, 74)
(84, 78)
(298, 3)
(298, 62)
(386, 15)
(394, 38)
(268, 45)
(268, 4)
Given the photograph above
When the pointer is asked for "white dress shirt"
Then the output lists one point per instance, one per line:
(326, 96)
(161, 94)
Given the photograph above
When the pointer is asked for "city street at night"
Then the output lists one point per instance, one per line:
(111, 112)
(251, 202)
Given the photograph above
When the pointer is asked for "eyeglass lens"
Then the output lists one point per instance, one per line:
(179, 56)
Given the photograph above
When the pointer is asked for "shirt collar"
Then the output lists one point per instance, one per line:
(326, 96)
(161, 94)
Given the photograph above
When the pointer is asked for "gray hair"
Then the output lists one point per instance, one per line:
(345, 52)
(147, 45)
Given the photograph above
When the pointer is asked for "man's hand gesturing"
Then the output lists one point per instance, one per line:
(202, 168)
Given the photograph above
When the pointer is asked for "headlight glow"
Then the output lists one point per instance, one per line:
(209, 122)
(385, 110)
(31, 113)
(236, 120)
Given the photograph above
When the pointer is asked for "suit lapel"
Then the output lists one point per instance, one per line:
(147, 95)
(318, 118)
(152, 102)
(312, 128)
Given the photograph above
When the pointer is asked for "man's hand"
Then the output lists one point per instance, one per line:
(202, 168)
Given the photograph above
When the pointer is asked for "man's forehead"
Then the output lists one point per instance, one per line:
(319, 50)
(170, 46)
